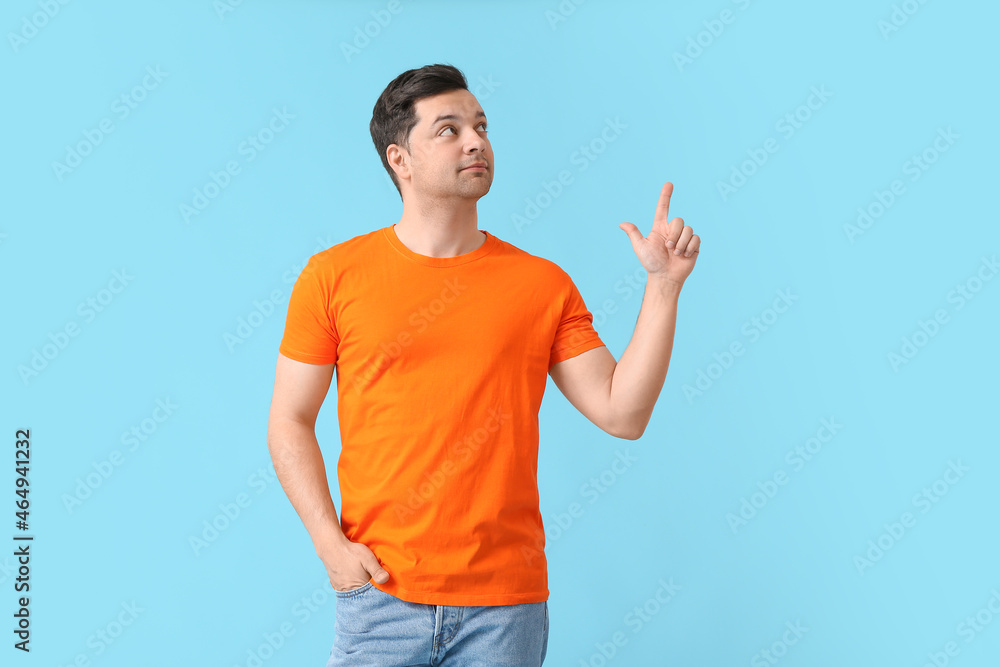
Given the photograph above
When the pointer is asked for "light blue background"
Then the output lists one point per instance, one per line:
(552, 88)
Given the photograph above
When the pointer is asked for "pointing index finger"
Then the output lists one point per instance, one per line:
(660, 220)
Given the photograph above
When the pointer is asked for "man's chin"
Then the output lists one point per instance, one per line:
(476, 189)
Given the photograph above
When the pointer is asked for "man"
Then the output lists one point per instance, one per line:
(441, 335)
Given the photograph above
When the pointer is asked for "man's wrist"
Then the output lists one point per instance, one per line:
(666, 286)
(331, 540)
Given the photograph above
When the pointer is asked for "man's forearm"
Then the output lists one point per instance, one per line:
(642, 369)
(298, 462)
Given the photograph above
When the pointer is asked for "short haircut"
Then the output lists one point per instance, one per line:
(394, 117)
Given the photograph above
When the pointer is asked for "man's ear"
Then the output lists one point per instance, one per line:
(399, 160)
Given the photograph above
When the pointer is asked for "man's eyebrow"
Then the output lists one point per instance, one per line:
(479, 114)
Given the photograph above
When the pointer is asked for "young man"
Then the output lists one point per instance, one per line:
(441, 335)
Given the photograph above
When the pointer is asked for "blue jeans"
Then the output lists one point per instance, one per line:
(375, 629)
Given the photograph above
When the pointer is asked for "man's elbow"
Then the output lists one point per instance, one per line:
(632, 435)
(630, 431)
(625, 423)
(283, 431)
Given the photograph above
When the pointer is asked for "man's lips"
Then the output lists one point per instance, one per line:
(481, 166)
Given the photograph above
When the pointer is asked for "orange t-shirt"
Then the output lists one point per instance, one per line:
(441, 364)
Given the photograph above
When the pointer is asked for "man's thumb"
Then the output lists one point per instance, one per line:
(377, 571)
(634, 235)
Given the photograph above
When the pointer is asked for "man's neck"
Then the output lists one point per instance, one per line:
(439, 233)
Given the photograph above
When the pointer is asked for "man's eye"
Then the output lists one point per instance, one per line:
(482, 125)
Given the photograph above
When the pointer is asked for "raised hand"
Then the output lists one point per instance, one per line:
(671, 249)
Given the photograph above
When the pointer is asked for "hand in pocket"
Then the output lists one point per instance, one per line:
(351, 565)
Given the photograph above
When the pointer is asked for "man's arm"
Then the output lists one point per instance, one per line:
(619, 397)
(299, 391)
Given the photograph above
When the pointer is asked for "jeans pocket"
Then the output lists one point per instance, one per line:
(354, 591)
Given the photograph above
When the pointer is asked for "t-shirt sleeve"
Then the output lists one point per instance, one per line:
(576, 333)
(310, 332)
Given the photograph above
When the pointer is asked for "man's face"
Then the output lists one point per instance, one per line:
(450, 135)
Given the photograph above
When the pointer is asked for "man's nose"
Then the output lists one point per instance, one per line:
(476, 142)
